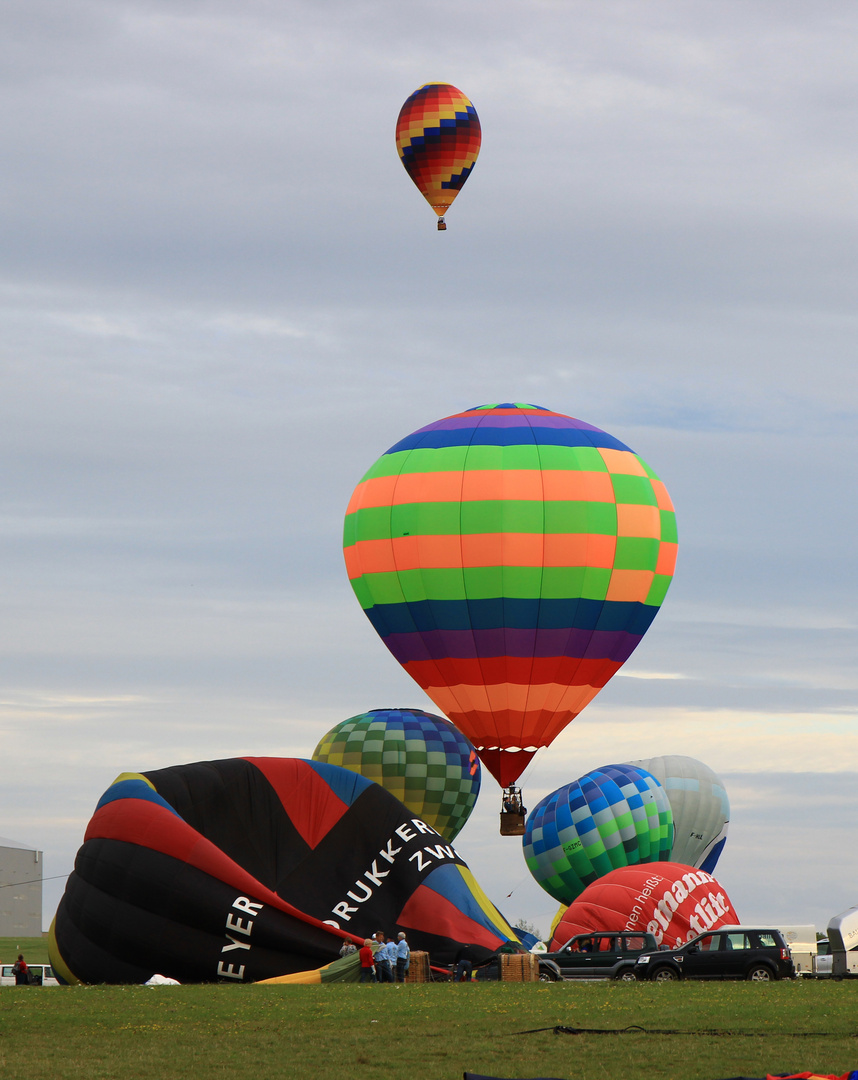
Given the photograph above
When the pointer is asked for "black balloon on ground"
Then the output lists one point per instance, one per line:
(247, 868)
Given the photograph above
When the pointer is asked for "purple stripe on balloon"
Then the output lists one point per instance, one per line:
(616, 645)
(490, 420)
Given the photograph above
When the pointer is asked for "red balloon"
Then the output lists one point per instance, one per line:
(671, 901)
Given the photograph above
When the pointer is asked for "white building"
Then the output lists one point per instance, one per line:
(20, 890)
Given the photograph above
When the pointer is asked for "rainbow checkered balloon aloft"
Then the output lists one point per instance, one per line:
(511, 558)
(438, 138)
(418, 757)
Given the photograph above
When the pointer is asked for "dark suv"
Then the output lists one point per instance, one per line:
(730, 952)
(601, 955)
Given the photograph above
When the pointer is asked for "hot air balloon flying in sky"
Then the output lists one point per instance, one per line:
(618, 815)
(511, 558)
(701, 809)
(438, 139)
(420, 758)
(250, 868)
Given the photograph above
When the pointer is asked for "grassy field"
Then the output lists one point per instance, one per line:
(429, 1032)
(35, 949)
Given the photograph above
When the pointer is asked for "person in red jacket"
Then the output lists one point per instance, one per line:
(367, 963)
(21, 971)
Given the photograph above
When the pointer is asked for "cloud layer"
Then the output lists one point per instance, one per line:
(221, 299)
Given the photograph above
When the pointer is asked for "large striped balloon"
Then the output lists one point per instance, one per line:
(511, 558)
(438, 138)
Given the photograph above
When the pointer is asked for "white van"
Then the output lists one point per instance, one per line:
(40, 975)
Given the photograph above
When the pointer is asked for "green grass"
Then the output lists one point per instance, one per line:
(427, 1032)
(35, 949)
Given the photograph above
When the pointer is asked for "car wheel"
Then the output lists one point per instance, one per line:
(760, 973)
(664, 974)
(547, 976)
(626, 975)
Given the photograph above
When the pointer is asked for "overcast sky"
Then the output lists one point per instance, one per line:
(221, 299)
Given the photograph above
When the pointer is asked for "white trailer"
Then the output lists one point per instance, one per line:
(843, 945)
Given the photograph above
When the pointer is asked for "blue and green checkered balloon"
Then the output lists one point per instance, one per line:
(420, 758)
(617, 815)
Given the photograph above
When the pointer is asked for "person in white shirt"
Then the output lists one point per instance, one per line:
(403, 958)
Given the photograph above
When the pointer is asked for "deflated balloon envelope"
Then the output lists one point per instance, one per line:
(420, 758)
(701, 809)
(248, 868)
(614, 816)
(670, 901)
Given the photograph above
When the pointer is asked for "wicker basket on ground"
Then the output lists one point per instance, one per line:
(418, 971)
(519, 967)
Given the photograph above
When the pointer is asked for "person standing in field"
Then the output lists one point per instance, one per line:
(383, 970)
(403, 958)
(367, 968)
(21, 971)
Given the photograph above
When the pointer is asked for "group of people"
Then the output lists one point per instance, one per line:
(512, 803)
(381, 958)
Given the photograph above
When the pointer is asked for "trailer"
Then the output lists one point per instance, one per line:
(842, 946)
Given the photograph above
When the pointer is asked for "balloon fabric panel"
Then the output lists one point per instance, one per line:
(421, 759)
(438, 139)
(201, 872)
(670, 901)
(701, 809)
(511, 558)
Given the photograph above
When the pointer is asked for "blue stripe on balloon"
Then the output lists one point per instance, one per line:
(134, 789)
(708, 864)
(344, 783)
(485, 435)
(425, 615)
(448, 882)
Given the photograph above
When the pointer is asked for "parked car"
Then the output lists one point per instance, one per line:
(730, 952)
(40, 975)
(602, 955)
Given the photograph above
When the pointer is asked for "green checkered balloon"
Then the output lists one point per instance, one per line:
(420, 758)
(617, 815)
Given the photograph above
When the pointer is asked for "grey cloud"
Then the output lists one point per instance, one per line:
(222, 299)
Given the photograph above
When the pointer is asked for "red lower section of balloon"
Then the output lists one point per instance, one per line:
(506, 766)
(671, 901)
(515, 670)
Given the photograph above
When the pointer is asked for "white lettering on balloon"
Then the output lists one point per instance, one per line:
(373, 879)
(238, 924)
